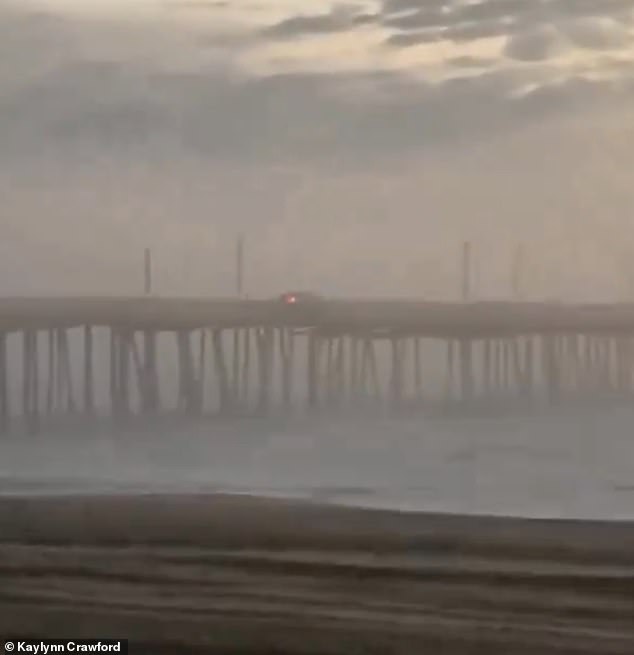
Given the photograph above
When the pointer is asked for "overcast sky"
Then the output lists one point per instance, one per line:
(356, 144)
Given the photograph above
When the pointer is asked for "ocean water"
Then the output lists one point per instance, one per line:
(574, 464)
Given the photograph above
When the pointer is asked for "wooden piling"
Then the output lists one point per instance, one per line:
(418, 374)
(4, 385)
(312, 370)
(66, 372)
(287, 351)
(89, 393)
(30, 373)
(266, 343)
(190, 399)
(236, 352)
(529, 369)
(150, 383)
(202, 369)
(246, 370)
(353, 367)
(449, 372)
(396, 378)
(51, 394)
(487, 380)
(222, 374)
(339, 372)
(550, 367)
(466, 370)
(124, 374)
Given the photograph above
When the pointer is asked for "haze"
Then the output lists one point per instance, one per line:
(355, 144)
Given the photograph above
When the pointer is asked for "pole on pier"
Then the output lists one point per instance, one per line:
(240, 266)
(147, 272)
(516, 274)
(466, 271)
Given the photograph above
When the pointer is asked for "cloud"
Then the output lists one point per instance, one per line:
(470, 62)
(408, 39)
(537, 45)
(452, 12)
(389, 7)
(195, 4)
(340, 18)
(588, 24)
(136, 109)
(420, 19)
(548, 41)
(101, 155)
(598, 33)
(131, 112)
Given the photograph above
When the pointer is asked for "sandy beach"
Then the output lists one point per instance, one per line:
(238, 574)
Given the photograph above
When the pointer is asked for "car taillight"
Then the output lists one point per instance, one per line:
(291, 299)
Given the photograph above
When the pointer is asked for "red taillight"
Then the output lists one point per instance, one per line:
(290, 299)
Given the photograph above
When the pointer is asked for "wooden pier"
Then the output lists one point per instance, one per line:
(123, 358)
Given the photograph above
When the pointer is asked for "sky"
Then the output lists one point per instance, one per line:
(355, 144)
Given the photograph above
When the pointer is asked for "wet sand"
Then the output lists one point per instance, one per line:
(237, 574)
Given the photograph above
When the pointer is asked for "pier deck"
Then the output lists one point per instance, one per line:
(426, 318)
(237, 357)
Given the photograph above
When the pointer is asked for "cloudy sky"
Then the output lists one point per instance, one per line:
(356, 144)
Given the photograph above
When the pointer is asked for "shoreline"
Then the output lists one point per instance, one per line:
(237, 520)
(250, 575)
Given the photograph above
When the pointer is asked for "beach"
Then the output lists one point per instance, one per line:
(213, 573)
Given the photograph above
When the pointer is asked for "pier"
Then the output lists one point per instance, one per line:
(129, 358)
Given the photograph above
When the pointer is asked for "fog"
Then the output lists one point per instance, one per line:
(356, 146)
(358, 173)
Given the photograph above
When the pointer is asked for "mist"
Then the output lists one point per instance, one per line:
(175, 132)
(356, 147)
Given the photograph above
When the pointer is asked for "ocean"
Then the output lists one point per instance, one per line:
(566, 464)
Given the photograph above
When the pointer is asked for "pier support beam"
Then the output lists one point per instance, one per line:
(190, 388)
(396, 376)
(30, 381)
(551, 369)
(265, 346)
(312, 370)
(4, 385)
(119, 373)
(466, 371)
(149, 382)
(89, 392)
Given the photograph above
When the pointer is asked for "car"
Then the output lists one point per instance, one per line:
(299, 297)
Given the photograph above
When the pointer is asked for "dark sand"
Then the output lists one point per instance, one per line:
(223, 574)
